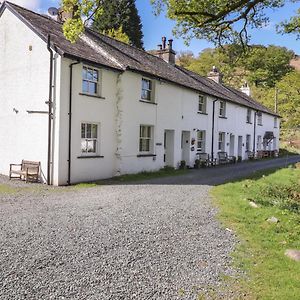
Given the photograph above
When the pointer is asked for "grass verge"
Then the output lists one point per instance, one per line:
(6, 189)
(165, 172)
(270, 274)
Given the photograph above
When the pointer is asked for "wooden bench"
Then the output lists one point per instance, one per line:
(250, 155)
(29, 170)
(223, 158)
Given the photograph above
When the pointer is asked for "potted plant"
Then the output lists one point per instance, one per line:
(197, 164)
(182, 165)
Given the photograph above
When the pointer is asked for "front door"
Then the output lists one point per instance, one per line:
(231, 145)
(169, 148)
(240, 146)
(185, 146)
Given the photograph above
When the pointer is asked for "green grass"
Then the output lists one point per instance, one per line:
(6, 189)
(165, 172)
(270, 275)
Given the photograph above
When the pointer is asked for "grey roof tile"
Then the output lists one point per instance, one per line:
(102, 50)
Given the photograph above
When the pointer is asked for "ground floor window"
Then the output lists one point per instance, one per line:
(259, 142)
(146, 138)
(89, 138)
(248, 142)
(221, 142)
(201, 141)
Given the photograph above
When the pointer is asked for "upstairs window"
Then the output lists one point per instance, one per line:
(146, 138)
(202, 104)
(221, 141)
(249, 115)
(147, 90)
(201, 141)
(275, 122)
(90, 81)
(222, 109)
(89, 138)
(259, 118)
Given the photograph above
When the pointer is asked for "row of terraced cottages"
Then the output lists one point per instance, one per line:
(99, 108)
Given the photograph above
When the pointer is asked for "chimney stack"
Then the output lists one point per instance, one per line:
(215, 75)
(165, 51)
(246, 89)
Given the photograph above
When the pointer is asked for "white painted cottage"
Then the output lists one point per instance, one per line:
(114, 109)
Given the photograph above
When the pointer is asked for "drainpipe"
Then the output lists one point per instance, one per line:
(213, 129)
(49, 102)
(70, 120)
(254, 133)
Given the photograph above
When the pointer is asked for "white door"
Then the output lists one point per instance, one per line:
(185, 146)
(169, 148)
(240, 146)
(231, 145)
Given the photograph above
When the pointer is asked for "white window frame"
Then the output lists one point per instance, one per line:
(146, 138)
(201, 141)
(259, 118)
(202, 104)
(92, 138)
(221, 141)
(222, 109)
(259, 142)
(249, 116)
(93, 81)
(248, 142)
(150, 90)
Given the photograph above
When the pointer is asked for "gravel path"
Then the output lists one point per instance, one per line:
(156, 240)
(112, 242)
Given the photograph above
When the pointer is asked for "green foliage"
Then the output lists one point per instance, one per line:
(269, 274)
(121, 13)
(107, 15)
(81, 11)
(222, 21)
(260, 66)
(117, 34)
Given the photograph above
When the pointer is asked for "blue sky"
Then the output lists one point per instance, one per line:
(156, 27)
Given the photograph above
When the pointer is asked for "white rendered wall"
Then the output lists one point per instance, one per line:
(23, 86)
(90, 110)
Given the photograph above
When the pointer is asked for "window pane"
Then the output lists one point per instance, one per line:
(91, 146)
(89, 74)
(94, 131)
(88, 131)
(95, 75)
(85, 86)
(83, 131)
(92, 88)
(83, 146)
(149, 132)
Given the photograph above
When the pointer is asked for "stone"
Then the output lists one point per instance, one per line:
(293, 254)
(272, 220)
(253, 204)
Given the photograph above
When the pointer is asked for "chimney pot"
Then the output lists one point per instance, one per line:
(164, 40)
(170, 44)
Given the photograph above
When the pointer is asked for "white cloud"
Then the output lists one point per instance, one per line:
(30, 4)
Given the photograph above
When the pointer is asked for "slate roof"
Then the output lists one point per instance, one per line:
(102, 50)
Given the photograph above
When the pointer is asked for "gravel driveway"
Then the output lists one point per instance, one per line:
(147, 241)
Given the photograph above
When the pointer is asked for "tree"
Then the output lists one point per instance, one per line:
(117, 13)
(260, 66)
(121, 13)
(117, 34)
(222, 21)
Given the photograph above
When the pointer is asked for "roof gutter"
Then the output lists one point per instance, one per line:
(213, 129)
(70, 121)
(50, 104)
